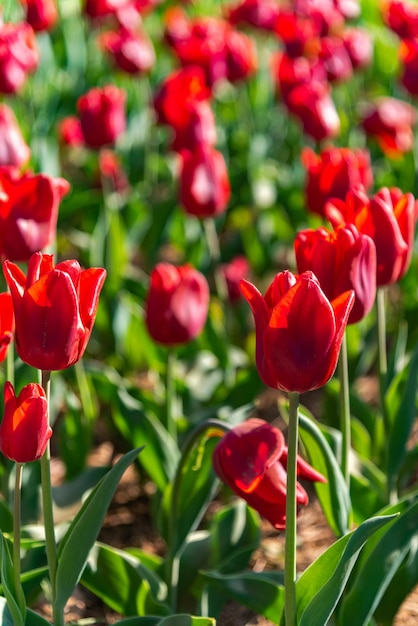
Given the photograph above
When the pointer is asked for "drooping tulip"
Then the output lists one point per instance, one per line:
(251, 459)
(55, 309)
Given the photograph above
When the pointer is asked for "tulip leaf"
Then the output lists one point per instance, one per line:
(84, 529)
(15, 597)
(400, 401)
(321, 585)
(32, 618)
(173, 620)
(262, 592)
(140, 426)
(124, 583)
(332, 495)
(378, 563)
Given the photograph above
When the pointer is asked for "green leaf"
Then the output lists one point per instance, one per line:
(262, 592)
(141, 427)
(84, 529)
(186, 620)
(378, 563)
(15, 598)
(124, 583)
(400, 400)
(6, 517)
(321, 585)
(332, 495)
(32, 619)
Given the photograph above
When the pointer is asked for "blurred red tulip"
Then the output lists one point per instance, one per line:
(251, 459)
(132, 51)
(341, 260)
(102, 115)
(69, 131)
(359, 45)
(298, 331)
(177, 304)
(401, 16)
(28, 212)
(233, 272)
(261, 14)
(100, 8)
(18, 56)
(24, 430)
(297, 32)
(41, 14)
(326, 14)
(334, 55)
(13, 148)
(204, 182)
(408, 53)
(389, 218)
(55, 309)
(7, 323)
(389, 121)
(241, 56)
(332, 173)
(200, 128)
(312, 104)
(110, 168)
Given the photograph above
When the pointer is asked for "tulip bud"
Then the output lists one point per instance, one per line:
(102, 115)
(24, 430)
(177, 304)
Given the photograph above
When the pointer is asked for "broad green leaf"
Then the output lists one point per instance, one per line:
(186, 620)
(401, 401)
(332, 495)
(72, 491)
(368, 491)
(6, 517)
(377, 565)
(123, 582)
(32, 619)
(321, 585)
(15, 598)
(262, 592)
(84, 529)
(141, 427)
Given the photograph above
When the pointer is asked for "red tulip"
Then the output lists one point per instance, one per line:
(389, 218)
(28, 212)
(55, 309)
(233, 272)
(252, 460)
(332, 173)
(132, 51)
(199, 129)
(100, 8)
(298, 331)
(313, 106)
(7, 323)
(41, 14)
(24, 430)
(401, 17)
(359, 46)
(334, 55)
(408, 53)
(241, 55)
(341, 260)
(18, 55)
(297, 32)
(204, 182)
(13, 148)
(102, 115)
(177, 304)
(389, 121)
(69, 131)
(261, 14)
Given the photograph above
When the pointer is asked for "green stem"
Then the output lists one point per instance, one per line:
(212, 240)
(46, 486)
(174, 550)
(170, 394)
(291, 512)
(16, 535)
(345, 417)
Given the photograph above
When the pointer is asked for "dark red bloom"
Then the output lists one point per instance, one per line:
(41, 14)
(24, 430)
(261, 14)
(131, 50)
(359, 46)
(199, 129)
(28, 212)
(102, 115)
(7, 323)
(69, 131)
(233, 272)
(334, 55)
(332, 173)
(389, 218)
(389, 121)
(18, 55)
(204, 182)
(111, 172)
(55, 309)
(13, 148)
(298, 33)
(408, 53)
(298, 331)
(252, 460)
(341, 260)
(177, 304)
(312, 104)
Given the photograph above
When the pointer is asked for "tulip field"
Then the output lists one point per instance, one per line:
(209, 312)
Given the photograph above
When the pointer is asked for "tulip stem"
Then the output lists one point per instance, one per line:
(291, 512)
(170, 394)
(214, 248)
(51, 545)
(345, 413)
(16, 535)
